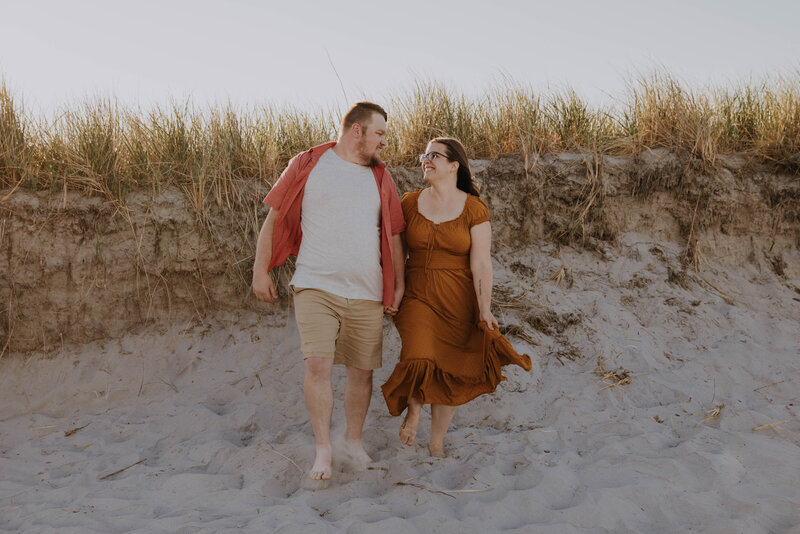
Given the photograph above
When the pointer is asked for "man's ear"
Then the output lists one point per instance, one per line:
(356, 129)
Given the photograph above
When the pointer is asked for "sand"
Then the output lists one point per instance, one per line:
(201, 426)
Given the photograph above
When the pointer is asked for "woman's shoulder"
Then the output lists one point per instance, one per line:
(408, 203)
(410, 196)
(414, 193)
(477, 210)
(476, 203)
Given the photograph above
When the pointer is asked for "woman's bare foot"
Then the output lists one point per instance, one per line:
(322, 468)
(441, 416)
(408, 430)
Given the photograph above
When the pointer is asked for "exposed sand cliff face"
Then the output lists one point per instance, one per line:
(93, 269)
(77, 269)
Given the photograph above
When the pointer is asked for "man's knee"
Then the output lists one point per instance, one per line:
(359, 376)
(318, 369)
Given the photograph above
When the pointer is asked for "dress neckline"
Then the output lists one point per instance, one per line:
(463, 210)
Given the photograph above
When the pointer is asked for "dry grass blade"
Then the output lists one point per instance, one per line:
(619, 377)
(771, 384)
(714, 412)
(560, 275)
(782, 432)
(45, 434)
(118, 471)
(724, 296)
(141, 381)
(8, 341)
(764, 394)
(45, 427)
(512, 302)
(171, 385)
(70, 432)
(270, 449)
(518, 332)
(420, 486)
(525, 337)
(773, 426)
(482, 490)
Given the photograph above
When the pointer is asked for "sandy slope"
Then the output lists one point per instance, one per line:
(215, 410)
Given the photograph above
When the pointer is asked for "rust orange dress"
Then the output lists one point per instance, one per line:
(447, 357)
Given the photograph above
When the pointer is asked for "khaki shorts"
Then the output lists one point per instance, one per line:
(350, 331)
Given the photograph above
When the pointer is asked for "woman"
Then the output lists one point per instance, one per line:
(452, 351)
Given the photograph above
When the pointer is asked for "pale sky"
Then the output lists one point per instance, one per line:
(56, 52)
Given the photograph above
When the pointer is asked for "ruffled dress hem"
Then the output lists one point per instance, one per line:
(421, 378)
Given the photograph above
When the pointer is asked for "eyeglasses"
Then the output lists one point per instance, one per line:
(431, 156)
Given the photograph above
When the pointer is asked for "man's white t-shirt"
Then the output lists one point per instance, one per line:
(340, 220)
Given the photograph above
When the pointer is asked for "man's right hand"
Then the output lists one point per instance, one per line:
(263, 287)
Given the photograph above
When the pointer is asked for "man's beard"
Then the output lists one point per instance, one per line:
(372, 158)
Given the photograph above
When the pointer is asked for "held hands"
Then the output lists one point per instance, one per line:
(264, 288)
(398, 297)
(488, 318)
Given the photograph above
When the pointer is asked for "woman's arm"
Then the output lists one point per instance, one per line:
(399, 252)
(480, 263)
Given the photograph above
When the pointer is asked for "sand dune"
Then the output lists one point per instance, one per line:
(705, 437)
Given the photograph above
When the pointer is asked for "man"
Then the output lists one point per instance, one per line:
(336, 208)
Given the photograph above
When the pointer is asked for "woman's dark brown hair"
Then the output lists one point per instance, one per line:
(455, 152)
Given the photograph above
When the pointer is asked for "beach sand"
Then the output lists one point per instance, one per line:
(655, 404)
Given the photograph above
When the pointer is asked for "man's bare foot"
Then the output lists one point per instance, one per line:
(437, 451)
(408, 430)
(322, 468)
(356, 453)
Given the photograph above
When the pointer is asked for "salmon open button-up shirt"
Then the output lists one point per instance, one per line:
(286, 196)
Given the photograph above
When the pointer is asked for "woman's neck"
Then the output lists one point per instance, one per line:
(444, 189)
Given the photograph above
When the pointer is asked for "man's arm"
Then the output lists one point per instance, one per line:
(399, 262)
(263, 287)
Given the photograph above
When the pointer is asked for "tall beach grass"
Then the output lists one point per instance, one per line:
(101, 148)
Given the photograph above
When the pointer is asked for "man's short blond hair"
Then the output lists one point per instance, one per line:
(361, 113)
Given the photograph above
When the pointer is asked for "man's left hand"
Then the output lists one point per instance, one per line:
(395, 307)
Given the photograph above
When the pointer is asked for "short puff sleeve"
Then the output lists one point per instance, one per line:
(409, 204)
(478, 211)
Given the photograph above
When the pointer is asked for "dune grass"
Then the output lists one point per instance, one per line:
(98, 147)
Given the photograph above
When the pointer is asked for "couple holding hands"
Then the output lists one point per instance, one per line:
(363, 253)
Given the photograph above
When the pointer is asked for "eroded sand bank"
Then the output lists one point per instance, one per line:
(214, 411)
